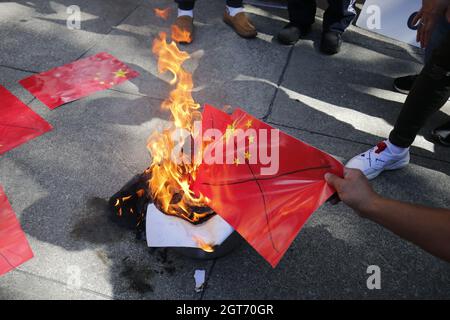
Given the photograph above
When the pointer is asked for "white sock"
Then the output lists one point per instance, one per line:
(189, 13)
(395, 150)
(234, 11)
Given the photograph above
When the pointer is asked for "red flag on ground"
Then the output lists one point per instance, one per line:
(268, 208)
(14, 247)
(18, 123)
(77, 79)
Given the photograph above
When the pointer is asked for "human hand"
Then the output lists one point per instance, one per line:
(427, 17)
(354, 189)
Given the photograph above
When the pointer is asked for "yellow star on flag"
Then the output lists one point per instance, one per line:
(230, 130)
(120, 73)
(247, 155)
(236, 161)
(251, 139)
(249, 123)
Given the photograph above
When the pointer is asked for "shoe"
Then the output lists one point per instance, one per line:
(331, 42)
(378, 159)
(442, 134)
(404, 84)
(291, 33)
(183, 30)
(241, 24)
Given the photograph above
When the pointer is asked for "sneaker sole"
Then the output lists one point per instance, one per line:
(400, 90)
(395, 166)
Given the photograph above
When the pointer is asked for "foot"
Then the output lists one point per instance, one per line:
(404, 84)
(183, 29)
(442, 134)
(241, 24)
(331, 42)
(378, 159)
(291, 33)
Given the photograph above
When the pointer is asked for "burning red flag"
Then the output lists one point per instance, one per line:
(18, 123)
(267, 206)
(14, 247)
(78, 79)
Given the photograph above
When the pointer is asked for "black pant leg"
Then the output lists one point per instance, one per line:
(339, 15)
(185, 4)
(302, 12)
(234, 3)
(429, 93)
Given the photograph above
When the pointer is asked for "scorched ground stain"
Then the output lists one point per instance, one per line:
(96, 228)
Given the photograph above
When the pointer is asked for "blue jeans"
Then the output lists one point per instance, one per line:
(441, 30)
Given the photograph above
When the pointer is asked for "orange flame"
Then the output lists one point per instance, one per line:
(170, 180)
(162, 13)
(203, 245)
(180, 35)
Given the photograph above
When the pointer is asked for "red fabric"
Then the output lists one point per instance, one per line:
(14, 247)
(77, 79)
(267, 210)
(18, 123)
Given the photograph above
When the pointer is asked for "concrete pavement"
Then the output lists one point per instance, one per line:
(58, 183)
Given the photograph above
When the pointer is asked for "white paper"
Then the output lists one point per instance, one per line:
(199, 277)
(167, 231)
(390, 18)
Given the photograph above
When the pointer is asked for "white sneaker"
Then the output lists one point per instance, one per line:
(378, 159)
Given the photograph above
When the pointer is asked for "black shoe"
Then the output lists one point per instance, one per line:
(331, 42)
(404, 84)
(291, 33)
(442, 134)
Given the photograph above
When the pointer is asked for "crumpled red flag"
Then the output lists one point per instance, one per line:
(268, 210)
(14, 247)
(18, 123)
(78, 79)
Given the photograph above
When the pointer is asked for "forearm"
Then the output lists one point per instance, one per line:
(427, 227)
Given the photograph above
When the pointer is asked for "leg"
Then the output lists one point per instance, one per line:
(185, 5)
(302, 12)
(339, 15)
(439, 33)
(234, 3)
(405, 83)
(429, 93)
(183, 27)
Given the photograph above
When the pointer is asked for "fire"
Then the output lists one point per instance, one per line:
(162, 13)
(171, 178)
(203, 245)
(180, 35)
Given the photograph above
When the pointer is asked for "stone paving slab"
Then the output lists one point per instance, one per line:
(35, 36)
(220, 58)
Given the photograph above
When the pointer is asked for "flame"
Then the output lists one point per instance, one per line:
(162, 13)
(180, 35)
(203, 245)
(170, 180)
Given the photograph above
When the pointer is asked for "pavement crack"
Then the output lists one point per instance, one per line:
(17, 69)
(209, 273)
(56, 281)
(280, 80)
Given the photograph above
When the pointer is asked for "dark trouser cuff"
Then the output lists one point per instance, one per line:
(234, 3)
(185, 4)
